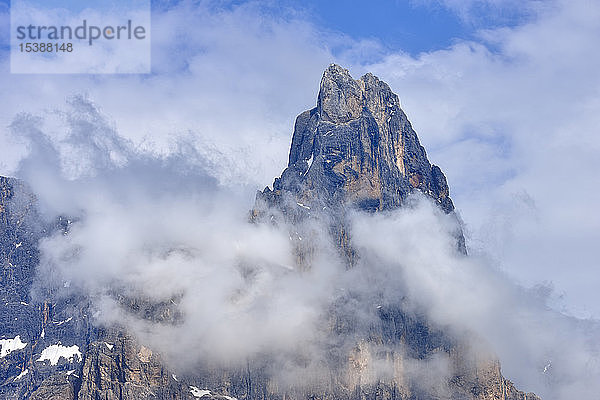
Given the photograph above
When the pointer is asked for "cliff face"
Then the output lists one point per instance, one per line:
(355, 150)
(357, 146)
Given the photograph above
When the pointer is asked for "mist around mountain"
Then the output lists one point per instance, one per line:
(155, 245)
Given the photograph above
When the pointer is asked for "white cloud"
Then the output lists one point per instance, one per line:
(158, 228)
(415, 259)
(517, 114)
(230, 78)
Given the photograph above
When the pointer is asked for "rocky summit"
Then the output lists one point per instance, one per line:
(356, 150)
(357, 146)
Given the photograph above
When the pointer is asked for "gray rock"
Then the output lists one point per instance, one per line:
(355, 149)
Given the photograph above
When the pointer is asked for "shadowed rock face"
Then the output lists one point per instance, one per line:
(354, 150)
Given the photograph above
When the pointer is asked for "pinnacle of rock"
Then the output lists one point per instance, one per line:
(357, 146)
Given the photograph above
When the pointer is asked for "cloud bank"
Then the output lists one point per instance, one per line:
(162, 229)
(512, 121)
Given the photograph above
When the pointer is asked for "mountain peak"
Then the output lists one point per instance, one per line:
(355, 149)
(342, 98)
(358, 146)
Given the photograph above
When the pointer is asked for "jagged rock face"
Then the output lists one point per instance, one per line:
(52, 333)
(357, 146)
(117, 367)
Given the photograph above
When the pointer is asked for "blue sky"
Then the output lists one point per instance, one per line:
(398, 25)
(411, 26)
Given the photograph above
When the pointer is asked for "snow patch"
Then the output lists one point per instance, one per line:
(309, 161)
(109, 346)
(63, 322)
(303, 206)
(22, 374)
(198, 392)
(56, 351)
(17, 245)
(10, 345)
(72, 372)
(175, 378)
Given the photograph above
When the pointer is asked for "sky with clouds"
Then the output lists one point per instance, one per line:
(504, 94)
